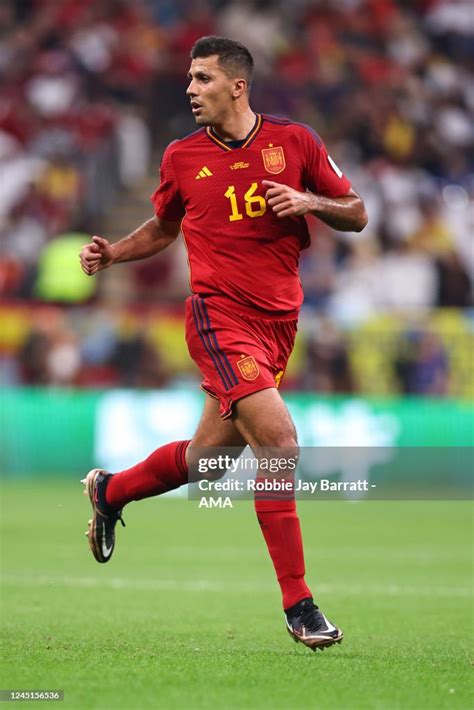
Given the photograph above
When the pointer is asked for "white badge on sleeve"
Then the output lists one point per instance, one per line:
(334, 167)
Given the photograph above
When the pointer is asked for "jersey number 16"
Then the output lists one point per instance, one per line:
(255, 205)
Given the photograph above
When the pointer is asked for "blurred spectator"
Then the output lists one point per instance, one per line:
(354, 297)
(22, 238)
(134, 147)
(405, 281)
(319, 267)
(421, 365)
(327, 366)
(258, 24)
(50, 354)
(137, 362)
(33, 358)
(434, 237)
(59, 187)
(59, 279)
(63, 360)
(53, 87)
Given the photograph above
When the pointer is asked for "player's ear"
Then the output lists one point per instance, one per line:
(240, 87)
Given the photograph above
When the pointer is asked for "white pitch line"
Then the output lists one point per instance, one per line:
(204, 585)
(419, 555)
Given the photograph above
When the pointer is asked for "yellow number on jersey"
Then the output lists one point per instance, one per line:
(230, 193)
(255, 205)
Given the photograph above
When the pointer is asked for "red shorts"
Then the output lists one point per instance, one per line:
(237, 353)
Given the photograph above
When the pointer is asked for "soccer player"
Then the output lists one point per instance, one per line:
(238, 189)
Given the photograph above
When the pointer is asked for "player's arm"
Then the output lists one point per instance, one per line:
(152, 237)
(346, 213)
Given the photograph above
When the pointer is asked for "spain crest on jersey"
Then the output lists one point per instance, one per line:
(274, 159)
(248, 368)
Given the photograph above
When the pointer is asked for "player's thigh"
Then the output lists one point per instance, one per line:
(213, 431)
(264, 420)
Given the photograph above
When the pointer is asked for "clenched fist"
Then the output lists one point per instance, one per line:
(285, 201)
(96, 256)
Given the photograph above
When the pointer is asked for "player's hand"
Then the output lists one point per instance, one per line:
(285, 201)
(96, 256)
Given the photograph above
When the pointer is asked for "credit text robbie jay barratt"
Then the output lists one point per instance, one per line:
(281, 485)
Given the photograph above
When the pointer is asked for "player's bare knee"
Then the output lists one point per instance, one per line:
(283, 448)
(274, 437)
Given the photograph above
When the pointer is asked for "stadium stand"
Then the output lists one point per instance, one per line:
(93, 91)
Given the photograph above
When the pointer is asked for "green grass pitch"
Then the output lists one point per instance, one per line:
(187, 614)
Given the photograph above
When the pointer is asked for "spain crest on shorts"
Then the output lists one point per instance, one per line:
(274, 159)
(248, 368)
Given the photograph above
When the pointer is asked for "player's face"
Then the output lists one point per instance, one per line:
(210, 91)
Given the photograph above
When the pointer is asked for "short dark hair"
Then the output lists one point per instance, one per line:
(234, 57)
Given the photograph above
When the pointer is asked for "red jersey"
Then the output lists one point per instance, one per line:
(237, 247)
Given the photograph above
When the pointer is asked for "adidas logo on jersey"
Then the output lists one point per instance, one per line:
(204, 172)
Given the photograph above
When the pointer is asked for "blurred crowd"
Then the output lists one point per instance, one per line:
(91, 91)
(87, 350)
(96, 346)
(74, 78)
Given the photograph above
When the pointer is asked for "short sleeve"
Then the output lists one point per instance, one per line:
(167, 199)
(322, 175)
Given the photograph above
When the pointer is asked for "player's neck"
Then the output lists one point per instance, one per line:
(237, 126)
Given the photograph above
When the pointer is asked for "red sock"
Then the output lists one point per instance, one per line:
(281, 529)
(162, 471)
